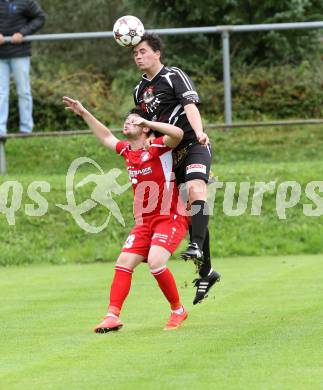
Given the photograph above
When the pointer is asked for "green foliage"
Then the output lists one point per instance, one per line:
(266, 92)
(120, 100)
(279, 92)
(257, 93)
(271, 47)
(102, 74)
(105, 56)
(73, 16)
(99, 76)
(109, 103)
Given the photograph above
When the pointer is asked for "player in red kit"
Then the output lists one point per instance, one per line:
(160, 220)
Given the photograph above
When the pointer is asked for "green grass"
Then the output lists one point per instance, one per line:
(269, 144)
(261, 328)
(56, 238)
(269, 154)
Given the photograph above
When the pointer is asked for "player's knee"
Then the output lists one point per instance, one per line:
(126, 261)
(156, 262)
(196, 190)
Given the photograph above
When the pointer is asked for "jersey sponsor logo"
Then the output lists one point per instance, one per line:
(150, 101)
(136, 172)
(148, 95)
(192, 168)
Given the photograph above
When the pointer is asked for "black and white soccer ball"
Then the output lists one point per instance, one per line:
(128, 31)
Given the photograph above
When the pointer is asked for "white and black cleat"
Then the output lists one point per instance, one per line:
(203, 285)
(193, 252)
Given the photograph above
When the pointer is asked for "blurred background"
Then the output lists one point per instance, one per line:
(275, 74)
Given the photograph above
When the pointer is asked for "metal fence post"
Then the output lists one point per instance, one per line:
(3, 169)
(227, 77)
(224, 30)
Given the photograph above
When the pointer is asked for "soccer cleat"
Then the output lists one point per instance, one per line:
(203, 286)
(193, 252)
(108, 324)
(175, 320)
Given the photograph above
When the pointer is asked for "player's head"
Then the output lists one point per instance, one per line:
(148, 52)
(132, 131)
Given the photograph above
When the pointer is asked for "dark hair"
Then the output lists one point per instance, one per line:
(154, 42)
(138, 111)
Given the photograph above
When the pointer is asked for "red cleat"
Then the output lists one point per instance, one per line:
(175, 320)
(108, 324)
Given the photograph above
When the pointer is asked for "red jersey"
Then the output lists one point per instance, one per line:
(151, 174)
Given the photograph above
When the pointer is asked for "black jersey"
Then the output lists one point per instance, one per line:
(163, 98)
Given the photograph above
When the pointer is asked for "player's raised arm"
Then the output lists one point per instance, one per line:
(101, 132)
(172, 134)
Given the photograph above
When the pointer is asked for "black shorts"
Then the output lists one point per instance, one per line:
(194, 165)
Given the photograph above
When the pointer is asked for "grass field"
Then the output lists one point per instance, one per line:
(270, 154)
(261, 328)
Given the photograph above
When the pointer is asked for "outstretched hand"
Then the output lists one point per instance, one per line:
(73, 105)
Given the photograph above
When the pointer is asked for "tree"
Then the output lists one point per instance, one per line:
(289, 46)
(103, 55)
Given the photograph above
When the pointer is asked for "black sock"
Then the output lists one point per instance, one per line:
(206, 245)
(206, 266)
(200, 221)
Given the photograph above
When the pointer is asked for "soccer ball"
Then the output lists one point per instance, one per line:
(128, 31)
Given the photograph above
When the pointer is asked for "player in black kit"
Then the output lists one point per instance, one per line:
(167, 94)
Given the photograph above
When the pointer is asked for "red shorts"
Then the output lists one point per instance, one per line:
(166, 231)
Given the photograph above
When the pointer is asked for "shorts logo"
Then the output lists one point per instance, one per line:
(129, 241)
(201, 168)
(160, 237)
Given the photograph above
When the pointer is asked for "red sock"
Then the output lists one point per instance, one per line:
(119, 289)
(168, 286)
